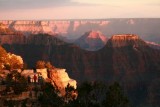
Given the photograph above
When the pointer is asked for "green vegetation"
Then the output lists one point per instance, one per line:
(115, 97)
(97, 94)
(88, 94)
(50, 97)
(18, 82)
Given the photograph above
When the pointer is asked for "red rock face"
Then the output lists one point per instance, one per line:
(60, 79)
(92, 41)
(125, 58)
(126, 54)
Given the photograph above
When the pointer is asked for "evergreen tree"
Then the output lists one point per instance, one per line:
(84, 95)
(69, 91)
(115, 97)
(50, 96)
(17, 82)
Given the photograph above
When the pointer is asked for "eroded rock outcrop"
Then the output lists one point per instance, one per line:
(43, 73)
(148, 29)
(63, 27)
(125, 58)
(125, 40)
(92, 40)
(60, 79)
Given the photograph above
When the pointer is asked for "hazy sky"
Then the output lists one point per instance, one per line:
(78, 9)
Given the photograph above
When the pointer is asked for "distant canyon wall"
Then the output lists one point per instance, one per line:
(148, 29)
(62, 27)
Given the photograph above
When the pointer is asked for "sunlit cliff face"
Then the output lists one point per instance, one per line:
(125, 40)
(147, 29)
(97, 35)
(63, 27)
(125, 37)
(92, 40)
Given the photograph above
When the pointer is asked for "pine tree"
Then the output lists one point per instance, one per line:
(115, 97)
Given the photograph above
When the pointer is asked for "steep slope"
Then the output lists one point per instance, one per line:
(9, 36)
(136, 64)
(125, 58)
(5, 30)
(122, 53)
(92, 40)
(132, 55)
(153, 45)
(28, 27)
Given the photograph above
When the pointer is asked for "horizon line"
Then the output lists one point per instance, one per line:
(78, 19)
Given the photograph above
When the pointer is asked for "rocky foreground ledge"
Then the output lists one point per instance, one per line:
(57, 76)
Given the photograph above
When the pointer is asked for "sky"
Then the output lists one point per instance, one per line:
(78, 9)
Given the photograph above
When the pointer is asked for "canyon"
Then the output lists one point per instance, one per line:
(147, 29)
(125, 58)
(136, 55)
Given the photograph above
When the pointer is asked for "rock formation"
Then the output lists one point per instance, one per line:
(92, 40)
(148, 29)
(125, 58)
(125, 40)
(125, 48)
(27, 72)
(43, 73)
(59, 77)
